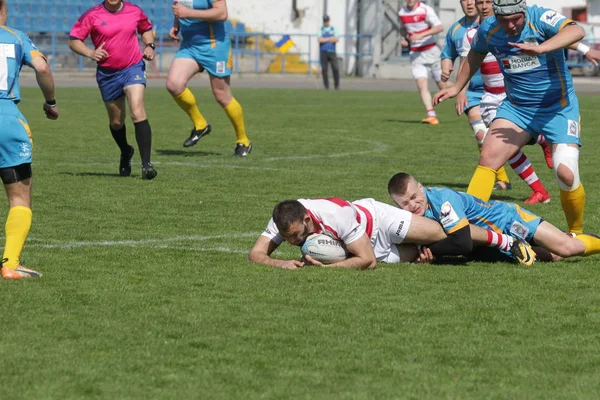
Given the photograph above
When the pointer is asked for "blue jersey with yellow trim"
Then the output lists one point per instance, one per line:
(200, 32)
(453, 46)
(455, 210)
(531, 81)
(16, 50)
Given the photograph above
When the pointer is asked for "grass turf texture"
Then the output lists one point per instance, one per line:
(147, 292)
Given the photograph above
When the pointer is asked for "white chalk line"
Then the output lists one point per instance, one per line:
(172, 243)
(378, 147)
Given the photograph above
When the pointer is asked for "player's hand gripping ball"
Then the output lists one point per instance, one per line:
(324, 249)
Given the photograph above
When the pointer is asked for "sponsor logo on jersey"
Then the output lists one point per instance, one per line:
(220, 67)
(519, 230)
(551, 17)
(25, 150)
(399, 230)
(448, 216)
(573, 128)
(520, 63)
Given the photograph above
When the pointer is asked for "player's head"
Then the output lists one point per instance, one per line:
(326, 20)
(485, 8)
(468, 7)
(113, 4)
(293, 221)
(407, 193)
(510, 15)
(411, 3)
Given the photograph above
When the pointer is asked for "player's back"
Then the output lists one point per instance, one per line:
(197, 31)
(14, 46)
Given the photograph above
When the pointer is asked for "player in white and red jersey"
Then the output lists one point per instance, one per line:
(370, 230)
(419, 24)
(493, 95)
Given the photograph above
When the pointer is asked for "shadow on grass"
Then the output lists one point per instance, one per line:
(92, 174)
(187, 153)
(403, 121)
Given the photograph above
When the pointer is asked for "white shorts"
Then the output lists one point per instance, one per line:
(488, 106)
(423, 62)
(390, 227)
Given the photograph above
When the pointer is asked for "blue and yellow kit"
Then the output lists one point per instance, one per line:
(455, 210)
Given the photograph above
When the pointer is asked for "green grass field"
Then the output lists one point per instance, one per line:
(147, 293)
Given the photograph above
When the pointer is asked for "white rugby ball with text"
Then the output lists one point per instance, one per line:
(324, 248)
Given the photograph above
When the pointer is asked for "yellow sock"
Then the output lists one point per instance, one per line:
(501, 175)
(17, 228)
(187, 102)
(592, 244)
(236, 116)
(573, 204)
(482, 183)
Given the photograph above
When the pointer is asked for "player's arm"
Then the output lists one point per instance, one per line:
(45, 80)
(76, 45)
(465, 73)
(592, 55)
(217, 12)
(457, 243)
(362, 256)
(561, 31)
(261, 254)
(449, 54)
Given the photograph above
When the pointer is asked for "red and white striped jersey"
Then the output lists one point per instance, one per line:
(418, 20)
(493, 80)
(337, 218)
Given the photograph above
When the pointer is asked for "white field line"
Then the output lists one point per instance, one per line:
(378, 147)
(161, 243)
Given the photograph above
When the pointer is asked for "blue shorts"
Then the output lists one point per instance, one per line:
(558, 124)
(216, 60)
(515, 221)
(474, 98)
(16, 144)
(112, 83)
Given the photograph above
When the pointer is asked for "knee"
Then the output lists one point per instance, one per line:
(222, 98)
(571, 248)
(138, 114)
(566, 166)
(175, 87)
(116, 124)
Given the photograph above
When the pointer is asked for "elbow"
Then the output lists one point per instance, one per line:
(252, 257)
(581, 33)
(223, 17)
(42, 68)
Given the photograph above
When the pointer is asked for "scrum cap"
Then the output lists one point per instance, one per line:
(509, 7)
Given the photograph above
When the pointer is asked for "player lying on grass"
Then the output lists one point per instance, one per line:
(371, 231)
(456, 210)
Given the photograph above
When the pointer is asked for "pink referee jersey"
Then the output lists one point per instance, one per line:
(117, 30)
(493, 80)
(418, 20)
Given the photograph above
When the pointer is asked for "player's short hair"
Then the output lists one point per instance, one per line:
(399, 183)
(509, 7)
(286, 213)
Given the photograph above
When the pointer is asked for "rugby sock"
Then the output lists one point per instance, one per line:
(592, 244)
(501, 175)
(18, 224)
(541, 140)
(522, 166)
(120, 137)
(143, 136)
(187, 102)
(573, 204)
(431, 113)
(236, 116)
(482, 183)
(499, 240)
(479, 131)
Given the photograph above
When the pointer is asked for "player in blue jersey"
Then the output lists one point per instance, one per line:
(204, 46)
(16, 50)
(456, 210)
(529, 43)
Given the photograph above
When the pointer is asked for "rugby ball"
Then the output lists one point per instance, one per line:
(324, 248)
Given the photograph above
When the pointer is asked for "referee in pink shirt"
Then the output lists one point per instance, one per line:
(114, 26)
